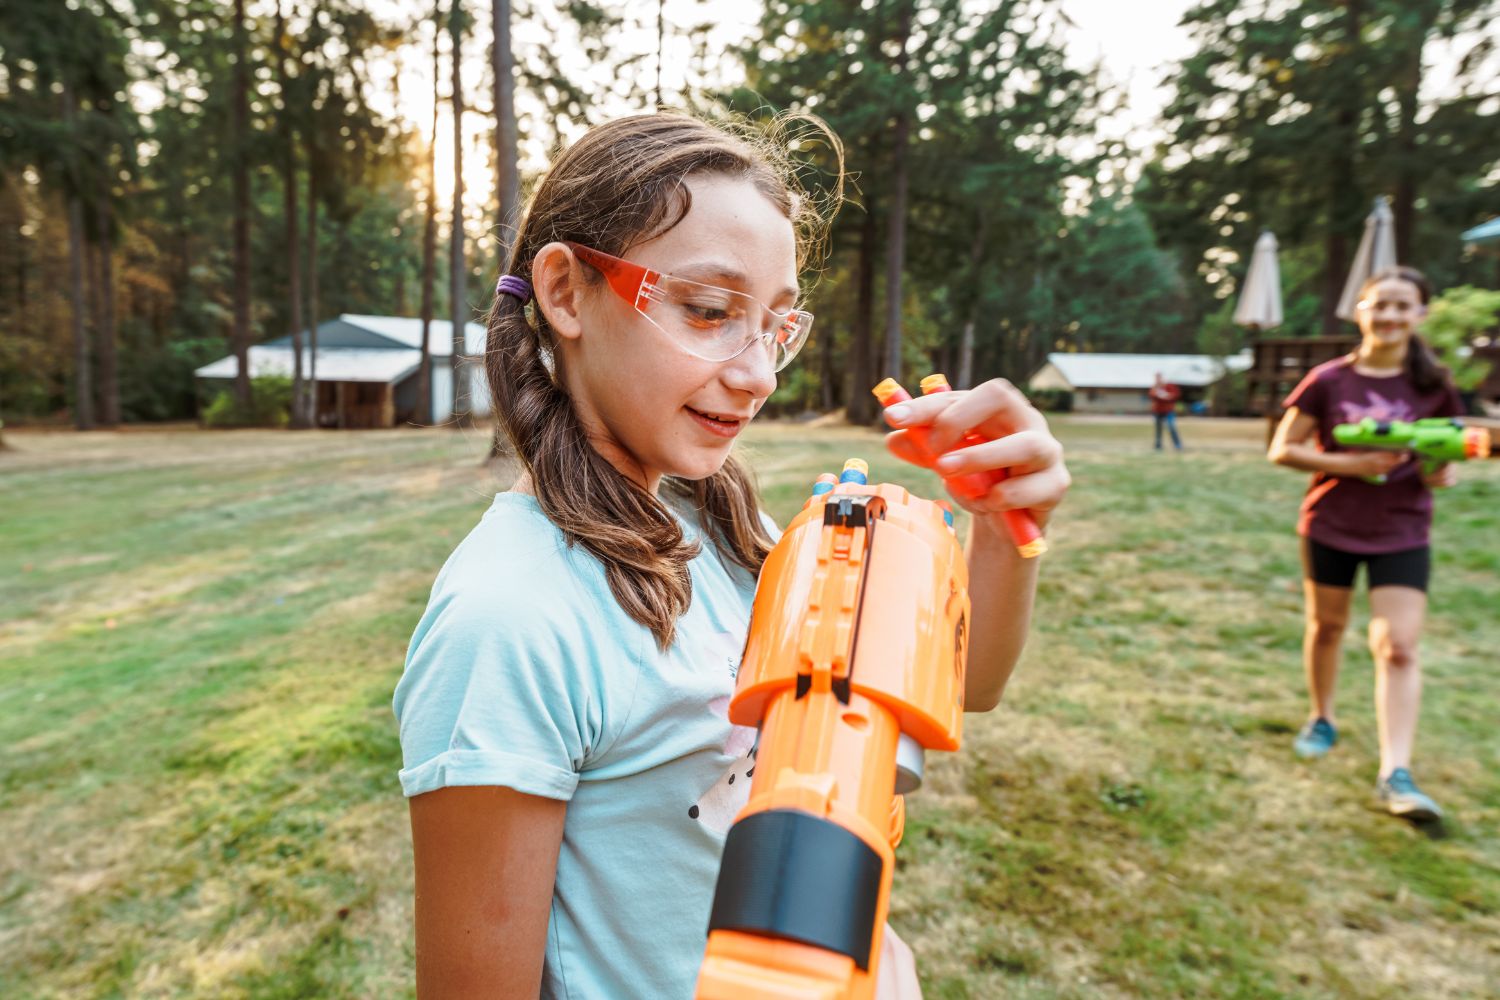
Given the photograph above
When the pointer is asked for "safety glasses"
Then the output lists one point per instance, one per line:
(712, 323)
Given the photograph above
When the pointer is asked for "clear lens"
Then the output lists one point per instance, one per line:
(717, 324)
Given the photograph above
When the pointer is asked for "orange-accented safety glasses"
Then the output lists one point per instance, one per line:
(712, 323)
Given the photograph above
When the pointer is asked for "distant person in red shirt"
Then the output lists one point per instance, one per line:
(1164, 396)
(1348, 520)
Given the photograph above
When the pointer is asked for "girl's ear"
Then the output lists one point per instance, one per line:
(557, 283)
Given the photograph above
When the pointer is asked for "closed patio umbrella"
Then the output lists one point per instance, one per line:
(1377, 251)
(1260, 300)
(1488, 232)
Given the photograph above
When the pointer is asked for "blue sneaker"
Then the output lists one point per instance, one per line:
(1315, 739)
(1401, 797)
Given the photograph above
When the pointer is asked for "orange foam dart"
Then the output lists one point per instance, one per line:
(1024, 531)
(853, 667)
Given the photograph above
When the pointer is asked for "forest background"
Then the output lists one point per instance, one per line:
(184, 178)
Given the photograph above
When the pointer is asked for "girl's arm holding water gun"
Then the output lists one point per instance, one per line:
(1291, 446)
(1002, 584)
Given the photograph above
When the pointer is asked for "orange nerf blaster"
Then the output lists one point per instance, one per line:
(854, 664)
(1024, 531)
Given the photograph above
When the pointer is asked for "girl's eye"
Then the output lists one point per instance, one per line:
(708, 313)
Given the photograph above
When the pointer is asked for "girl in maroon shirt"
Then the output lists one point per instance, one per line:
(1347, 520)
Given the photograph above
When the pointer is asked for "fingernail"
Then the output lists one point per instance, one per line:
(898, 413)
(947, 463)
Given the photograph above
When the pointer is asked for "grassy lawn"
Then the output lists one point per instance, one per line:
(199, 634)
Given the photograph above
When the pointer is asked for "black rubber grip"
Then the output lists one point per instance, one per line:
(789, 874)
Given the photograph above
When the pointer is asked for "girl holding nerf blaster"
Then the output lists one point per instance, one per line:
(1371, 507)
(570, 765)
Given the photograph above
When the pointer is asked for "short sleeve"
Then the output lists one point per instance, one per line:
(1450, 404)
(1310, 396)
(492, 695)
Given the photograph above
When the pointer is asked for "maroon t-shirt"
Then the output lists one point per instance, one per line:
(1164, 397)
(1350, 513)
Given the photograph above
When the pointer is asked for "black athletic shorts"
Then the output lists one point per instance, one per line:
(1336, 568)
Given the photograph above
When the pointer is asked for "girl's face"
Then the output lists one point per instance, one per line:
(650, 407)
(1389, 313)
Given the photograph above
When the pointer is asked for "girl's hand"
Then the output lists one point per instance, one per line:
(1020, 443)
(1370, 464)
(897, 978)
(1442, 477)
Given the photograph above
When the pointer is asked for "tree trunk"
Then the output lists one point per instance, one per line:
(895, 250)
(1336, 271)
(507, 179)
(239, 142)
(827, 371)
(108, 384)
(21, 241)
(289, 218)
(83, 381)
(312, 277)
(859, 404)
(1342, 194)
(458, 300)
(661, 36)
(1404, 210)
(429, 234)
(965, 373)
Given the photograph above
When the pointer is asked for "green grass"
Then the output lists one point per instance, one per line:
(199, 634)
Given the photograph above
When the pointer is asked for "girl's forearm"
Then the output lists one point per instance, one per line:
(1002, 591)
(1311, 459)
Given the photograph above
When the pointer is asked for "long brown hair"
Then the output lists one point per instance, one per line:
(1423, 369)
(618, 185)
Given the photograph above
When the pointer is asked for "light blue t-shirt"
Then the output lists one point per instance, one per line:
(524, 672)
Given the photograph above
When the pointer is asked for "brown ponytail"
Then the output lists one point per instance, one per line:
(620, 184)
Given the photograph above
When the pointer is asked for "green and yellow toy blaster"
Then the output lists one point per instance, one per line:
(1433, 441)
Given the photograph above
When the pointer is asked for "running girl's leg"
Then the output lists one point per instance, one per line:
(1396, 617)
(1328, 587)
(1322, 642)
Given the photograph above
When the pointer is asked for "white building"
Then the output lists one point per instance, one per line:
(1117, 383)
(369, 368)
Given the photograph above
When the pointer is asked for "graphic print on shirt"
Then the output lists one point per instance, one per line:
(1377, 407)
(717, 807)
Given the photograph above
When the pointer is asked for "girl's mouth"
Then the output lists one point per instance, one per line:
(715, 423)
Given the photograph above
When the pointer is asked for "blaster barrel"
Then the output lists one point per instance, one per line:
(1434, 440)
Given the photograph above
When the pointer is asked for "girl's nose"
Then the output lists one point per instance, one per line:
(752, 370)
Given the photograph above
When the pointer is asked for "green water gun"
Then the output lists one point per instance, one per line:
(1433, 441)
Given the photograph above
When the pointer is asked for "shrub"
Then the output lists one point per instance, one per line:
(1454, 320)
(1052, 400)
(270, 405)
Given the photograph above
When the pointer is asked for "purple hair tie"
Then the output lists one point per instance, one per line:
(509, 284)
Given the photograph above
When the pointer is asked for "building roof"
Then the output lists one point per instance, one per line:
(355, 348)
(408, 332)
(335, 364)
(1138, 371)
(376, 332)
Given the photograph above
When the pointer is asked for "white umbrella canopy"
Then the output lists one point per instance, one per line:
(1377, 251)
(1260, 299)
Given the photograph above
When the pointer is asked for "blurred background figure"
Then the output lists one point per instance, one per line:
(1164, 396)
